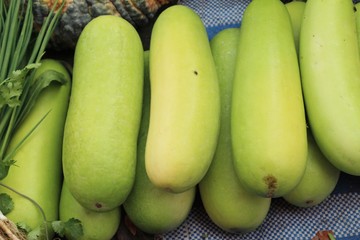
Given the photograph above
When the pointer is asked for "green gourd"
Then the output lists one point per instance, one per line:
(152, 209)
(268, 123)
(185, 101)
(228, 204)
(330, 73)
(102, 124)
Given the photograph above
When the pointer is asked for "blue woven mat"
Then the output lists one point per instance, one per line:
(218, 14)
(340, 212)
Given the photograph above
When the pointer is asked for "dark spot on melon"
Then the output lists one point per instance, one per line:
(98, 205)
(271, 183)
(196, 72)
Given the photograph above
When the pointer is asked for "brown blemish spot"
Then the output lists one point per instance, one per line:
(195, 72)
(98, 205)
(309, 202)
(271, 183)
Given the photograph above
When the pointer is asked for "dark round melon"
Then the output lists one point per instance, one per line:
(77, 13)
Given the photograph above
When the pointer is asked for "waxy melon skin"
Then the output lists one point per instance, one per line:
(185, 101)
(330, 72)
(268, 124)
(229, 205)
(319, 180)
(102, 125)
(96, 225)
(154, 210)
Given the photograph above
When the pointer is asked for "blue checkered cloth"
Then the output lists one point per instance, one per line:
(218, 14)
(340, 212)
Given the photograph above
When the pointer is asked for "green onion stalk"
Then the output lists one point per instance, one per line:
(21, 49)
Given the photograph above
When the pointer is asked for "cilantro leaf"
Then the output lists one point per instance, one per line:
(12, 87)
(72, 228)
(6, 203)
(39, 233)
(23, 227)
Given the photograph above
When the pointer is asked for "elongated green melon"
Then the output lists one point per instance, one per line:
(268, 123)
(330, 70)
(100, 137)
(185, 102)
(154, 210)
(229, 205)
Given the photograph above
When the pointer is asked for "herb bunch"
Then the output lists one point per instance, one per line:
(21, 49)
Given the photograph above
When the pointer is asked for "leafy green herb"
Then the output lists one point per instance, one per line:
(21, 51)
(6, 203)
(23, 227)
(38, 233)
(41, 82)
(71, 227)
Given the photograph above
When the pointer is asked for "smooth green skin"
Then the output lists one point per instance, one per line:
(330, 69)
(229, 205)
(320, 177)
(37, 173)
(99, 154)
(152, 209)
(319, 180)
(296, 10)
(96, 225)
(268, 124)
(185, 104)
